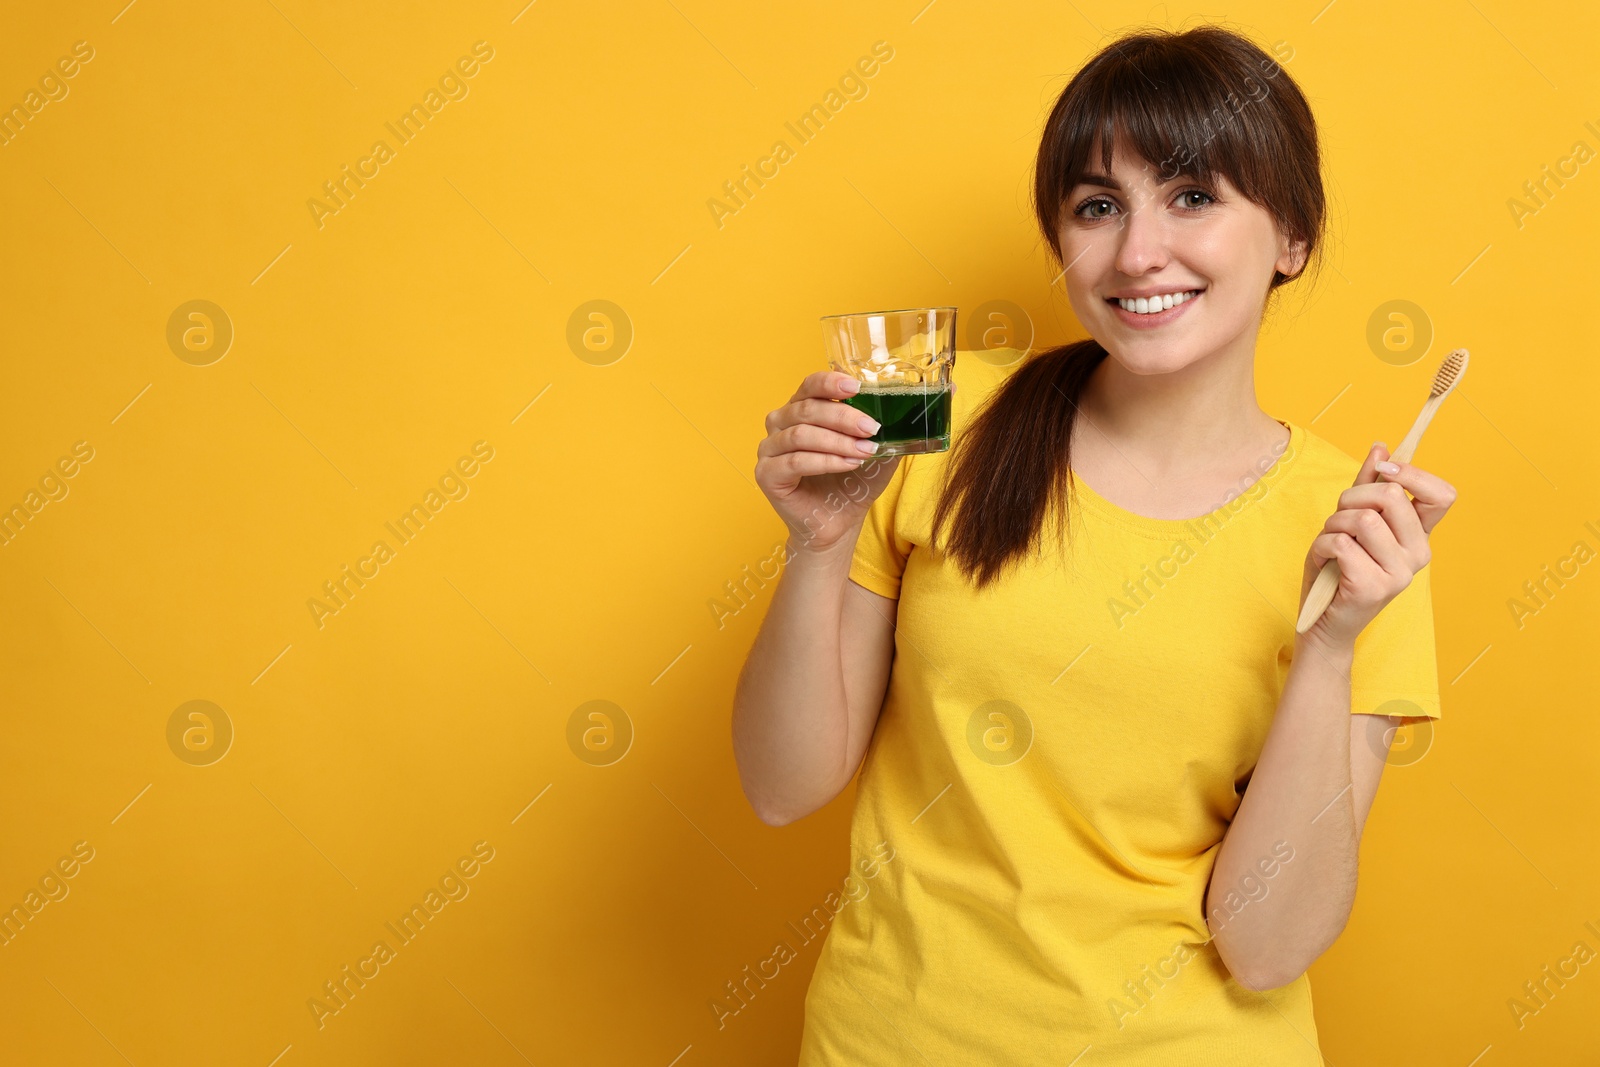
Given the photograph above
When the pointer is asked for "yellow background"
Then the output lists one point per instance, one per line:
(371, 753)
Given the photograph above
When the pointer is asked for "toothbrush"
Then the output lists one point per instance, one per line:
(1327, 581)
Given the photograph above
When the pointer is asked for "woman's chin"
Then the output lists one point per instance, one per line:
(1152, 357)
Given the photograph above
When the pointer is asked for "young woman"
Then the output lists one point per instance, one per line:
(1055, 857)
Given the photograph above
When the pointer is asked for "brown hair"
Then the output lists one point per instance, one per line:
(1203, 102)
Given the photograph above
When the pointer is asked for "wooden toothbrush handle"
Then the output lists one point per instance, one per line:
(1408, 447)
(1321, 593)
(1319, 596)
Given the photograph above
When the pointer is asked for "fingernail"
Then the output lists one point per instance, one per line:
(852, 385)
(870, 424)
(1389, 468)
(1379, 444)
(868, 447)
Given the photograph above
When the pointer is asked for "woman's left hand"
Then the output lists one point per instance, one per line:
(1379, 535)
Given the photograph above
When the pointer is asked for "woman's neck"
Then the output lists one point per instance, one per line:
(1178, 424)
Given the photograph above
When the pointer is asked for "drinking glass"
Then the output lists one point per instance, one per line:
(903, 361)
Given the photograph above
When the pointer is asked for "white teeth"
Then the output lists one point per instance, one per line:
(1151, 305)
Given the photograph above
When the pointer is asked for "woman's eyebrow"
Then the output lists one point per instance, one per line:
(1105, 181)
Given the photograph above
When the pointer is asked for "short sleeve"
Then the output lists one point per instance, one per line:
(881, 549)
(1395, 670)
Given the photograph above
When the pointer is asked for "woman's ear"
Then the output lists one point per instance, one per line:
(1293, 258)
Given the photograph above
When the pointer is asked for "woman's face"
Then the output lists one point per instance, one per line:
(1130, 234)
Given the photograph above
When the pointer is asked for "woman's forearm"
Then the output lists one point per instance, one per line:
(790, 723)
(1270, 918)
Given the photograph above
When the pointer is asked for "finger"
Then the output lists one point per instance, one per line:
(1391, 501)
(828, 383)
(1319, 555)
(1372, 533)
(1369, 471)
(1433, 494)
(820, 412)
(1356, 568)
(808, 437)
(781, 474)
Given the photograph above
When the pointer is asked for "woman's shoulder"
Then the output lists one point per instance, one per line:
(1317, 473)
(1326, 462)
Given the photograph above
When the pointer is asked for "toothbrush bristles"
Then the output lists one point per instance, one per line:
(1455, 364)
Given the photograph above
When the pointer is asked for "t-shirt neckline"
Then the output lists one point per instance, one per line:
(1183, 528)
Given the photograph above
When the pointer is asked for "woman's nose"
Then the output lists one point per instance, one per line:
(1141, 241)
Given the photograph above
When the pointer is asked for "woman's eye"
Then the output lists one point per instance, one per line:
(1086, 209)
(1183, 198)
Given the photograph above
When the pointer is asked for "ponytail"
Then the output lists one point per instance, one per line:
(1012, 465)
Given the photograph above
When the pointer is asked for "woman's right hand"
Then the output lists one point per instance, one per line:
(809, 466)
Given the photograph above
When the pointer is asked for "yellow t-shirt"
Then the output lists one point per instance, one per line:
(1054, 768)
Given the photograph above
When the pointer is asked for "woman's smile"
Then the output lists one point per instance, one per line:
(1150, 313)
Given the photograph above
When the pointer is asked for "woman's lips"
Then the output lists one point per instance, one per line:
(1156, 319)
